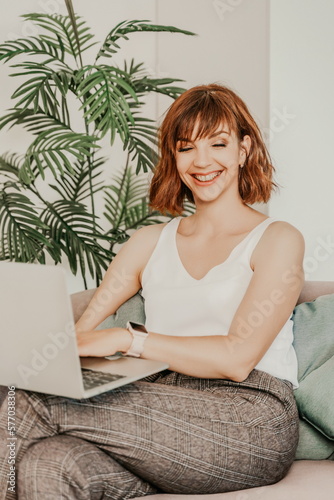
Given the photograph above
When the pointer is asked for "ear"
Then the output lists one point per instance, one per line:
(245, 146)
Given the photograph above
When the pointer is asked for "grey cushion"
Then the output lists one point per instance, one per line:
(314, 344)
(132, 309)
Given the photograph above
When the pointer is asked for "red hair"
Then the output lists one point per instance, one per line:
(208, 107)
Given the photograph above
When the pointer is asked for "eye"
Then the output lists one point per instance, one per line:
(184, 149)
(220, 145)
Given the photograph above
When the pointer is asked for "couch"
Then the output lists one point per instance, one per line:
(311, 476)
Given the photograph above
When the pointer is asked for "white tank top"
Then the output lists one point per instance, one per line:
(178, 304)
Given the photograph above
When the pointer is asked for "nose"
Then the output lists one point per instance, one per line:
(202, 158)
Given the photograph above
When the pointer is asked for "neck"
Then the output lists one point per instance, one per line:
(224, 213)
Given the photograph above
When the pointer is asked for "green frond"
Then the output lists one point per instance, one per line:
(126, 203)
(121, 30)
(158, 85)
(142, 143)
(117, 197)
(141, 215)
(55, 148)
(75, 231)
(30, 46)
(10, 164)
(103, 90)
(76, 187)
(61, 34)
(188, 208)
(21, 230)
(43, 90)
(36, 123)
(141, 81)
(15, 116)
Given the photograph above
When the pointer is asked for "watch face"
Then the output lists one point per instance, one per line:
(138, 326)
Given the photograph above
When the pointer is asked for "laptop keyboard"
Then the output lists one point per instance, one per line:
(93, 378)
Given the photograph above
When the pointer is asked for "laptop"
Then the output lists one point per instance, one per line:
(38, 343)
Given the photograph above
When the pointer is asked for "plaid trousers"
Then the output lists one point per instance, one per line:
(169, 433)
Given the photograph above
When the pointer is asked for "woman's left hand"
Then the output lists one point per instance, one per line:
(103, 342)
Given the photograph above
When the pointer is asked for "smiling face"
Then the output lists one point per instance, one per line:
(208, 131)
(209, 166)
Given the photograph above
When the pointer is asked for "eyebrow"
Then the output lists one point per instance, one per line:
(210, 136)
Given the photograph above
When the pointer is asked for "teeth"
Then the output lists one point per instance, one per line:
(208, 177)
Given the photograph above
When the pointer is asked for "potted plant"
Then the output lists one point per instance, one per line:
(110, 100)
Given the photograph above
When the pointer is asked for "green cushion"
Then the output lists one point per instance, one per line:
(313, 445)
(315, 398)
(313, 333)
(314, 344)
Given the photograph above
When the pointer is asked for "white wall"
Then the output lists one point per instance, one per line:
(301, 111)
(231, 48)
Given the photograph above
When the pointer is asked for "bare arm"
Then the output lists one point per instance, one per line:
(122, 279)
(277, 279)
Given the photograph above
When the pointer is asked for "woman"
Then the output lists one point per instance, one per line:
(219, 288)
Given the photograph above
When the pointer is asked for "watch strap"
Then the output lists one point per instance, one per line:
(138, 339)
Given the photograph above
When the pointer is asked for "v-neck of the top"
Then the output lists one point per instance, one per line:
(221, 263)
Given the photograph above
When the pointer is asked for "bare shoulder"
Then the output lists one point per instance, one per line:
(284, 232)
(279, 239)
(144, 241)
(148, 235)
(135, 253)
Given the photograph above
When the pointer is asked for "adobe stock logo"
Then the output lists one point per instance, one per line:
(323, 251)
(58, 341)
(280, 119)
(40, 358)
(28, 28)
(225, 7)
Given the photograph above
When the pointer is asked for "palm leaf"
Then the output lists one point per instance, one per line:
(188, 208)
(119, 195)
(140, 80)
(61, 33)
(44, 89)
(31, 46)
(75, 231)
(36, 123)
(115, 198)
(102, 89)
(77, 186)
(126, 203)
(11, 167)
(141, 214)
(21, 230)
(158, 85)
(121, 30)
(142, 140)
(10, 164)
(55, 148)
